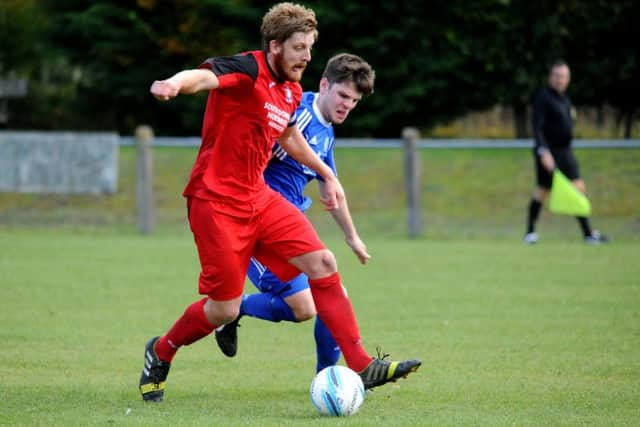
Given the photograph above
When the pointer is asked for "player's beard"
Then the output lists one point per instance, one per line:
(284, 70)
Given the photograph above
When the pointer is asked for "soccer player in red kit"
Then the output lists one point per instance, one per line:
(234, 214)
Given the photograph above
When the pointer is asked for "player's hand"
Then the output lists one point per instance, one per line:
(164, 90)
(547, 161)
(359, 248)
(333, 194)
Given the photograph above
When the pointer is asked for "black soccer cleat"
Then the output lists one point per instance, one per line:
(154, 374)
(227, 337)
(382, 371)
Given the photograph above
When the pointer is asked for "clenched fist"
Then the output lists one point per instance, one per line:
(165, 89)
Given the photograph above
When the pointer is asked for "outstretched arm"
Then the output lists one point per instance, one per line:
(342, 216)
(184, 82)
(297, 147)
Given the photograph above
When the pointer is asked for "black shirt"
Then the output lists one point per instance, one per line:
(552, 121)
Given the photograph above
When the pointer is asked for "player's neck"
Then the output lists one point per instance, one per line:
(319, 113)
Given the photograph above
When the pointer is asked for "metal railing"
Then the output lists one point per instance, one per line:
(194, 141)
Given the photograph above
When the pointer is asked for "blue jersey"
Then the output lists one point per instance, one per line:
(287, 176)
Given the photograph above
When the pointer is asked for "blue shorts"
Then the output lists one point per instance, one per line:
(263, 279)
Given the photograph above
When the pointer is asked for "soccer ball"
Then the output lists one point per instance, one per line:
(337, 391)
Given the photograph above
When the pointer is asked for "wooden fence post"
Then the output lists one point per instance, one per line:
(413, 181)
(146, 210)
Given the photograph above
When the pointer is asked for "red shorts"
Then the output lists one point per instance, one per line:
(226, 243)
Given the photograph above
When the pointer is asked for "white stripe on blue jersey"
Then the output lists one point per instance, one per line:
(304, 120)
(279, 152)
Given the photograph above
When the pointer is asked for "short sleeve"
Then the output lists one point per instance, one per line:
(233, 70)
(294, 119)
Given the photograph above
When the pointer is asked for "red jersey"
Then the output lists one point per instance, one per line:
(244, 116)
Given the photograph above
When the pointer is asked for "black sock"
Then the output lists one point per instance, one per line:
(534, 212)
(584, 225)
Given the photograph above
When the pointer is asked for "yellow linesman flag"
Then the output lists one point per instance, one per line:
(565, 198)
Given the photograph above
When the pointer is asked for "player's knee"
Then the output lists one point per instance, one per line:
(228, 314)
(329, 262)
(304, 312)
(220, 314)
(541, 195)
(324, 264)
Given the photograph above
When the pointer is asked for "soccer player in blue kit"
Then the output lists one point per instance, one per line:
(345, 80)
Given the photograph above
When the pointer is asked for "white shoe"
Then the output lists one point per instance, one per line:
(531, 238)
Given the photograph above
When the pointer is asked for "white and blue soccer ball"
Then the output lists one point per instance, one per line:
(337, 391)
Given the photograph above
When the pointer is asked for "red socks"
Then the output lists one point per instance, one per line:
(335, 310)
(332, 304)
(190, 327)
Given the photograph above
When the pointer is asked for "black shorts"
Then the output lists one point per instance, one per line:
(565, 161)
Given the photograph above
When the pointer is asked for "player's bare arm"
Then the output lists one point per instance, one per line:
(185, 82)
(294, 143)
(342, 217)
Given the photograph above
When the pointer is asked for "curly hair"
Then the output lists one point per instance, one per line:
(346, 67)
(284, 19)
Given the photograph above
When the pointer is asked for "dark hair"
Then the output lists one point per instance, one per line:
(558, 63)
(346, 67)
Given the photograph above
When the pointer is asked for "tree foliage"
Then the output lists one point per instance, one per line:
(430, 58)
(91, 62)
(119, 48)
(19, 40)
(604, 45)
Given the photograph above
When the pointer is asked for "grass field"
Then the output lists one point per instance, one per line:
(509, 335)
(466, 194)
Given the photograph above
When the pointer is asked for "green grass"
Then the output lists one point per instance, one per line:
(466, 194)
(482, 193)
(509, 335)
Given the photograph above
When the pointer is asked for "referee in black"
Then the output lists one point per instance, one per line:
(553, 132)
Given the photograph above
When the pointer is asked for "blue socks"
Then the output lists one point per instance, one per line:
(326, 347)
(266, 306)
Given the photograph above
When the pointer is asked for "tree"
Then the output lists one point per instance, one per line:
(596, 38)
(19, 39)
(20, 44)
(433, 59)
(91, 62)
(120, 49)
(531, 39)
(604, 55)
